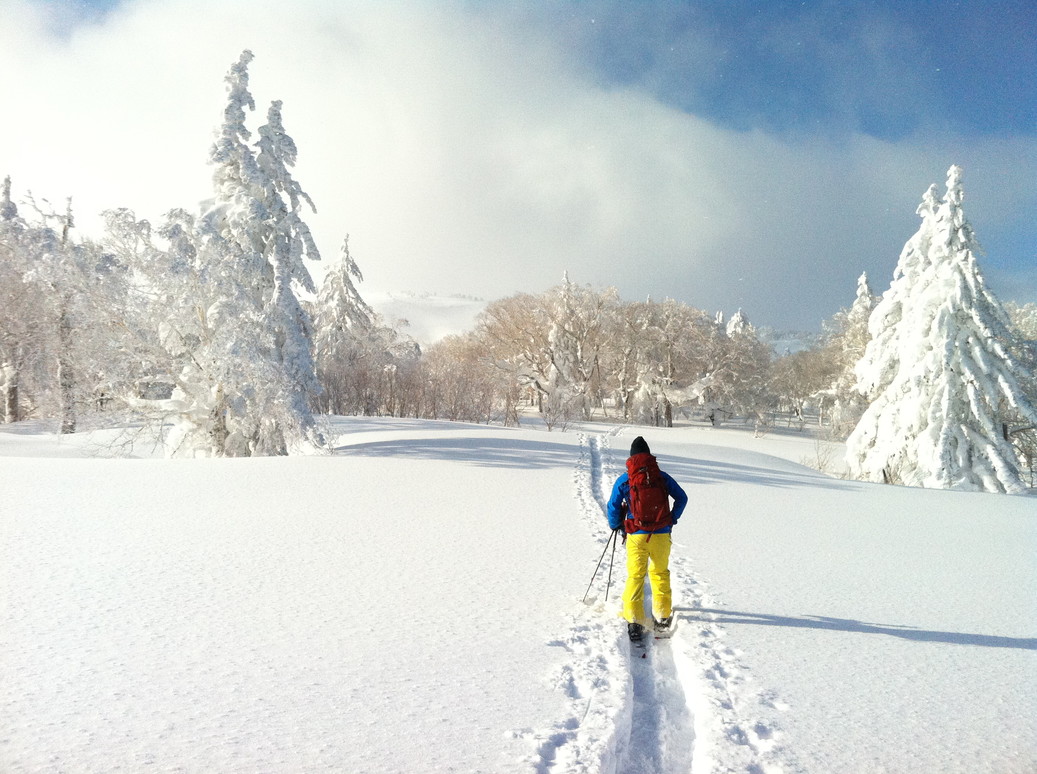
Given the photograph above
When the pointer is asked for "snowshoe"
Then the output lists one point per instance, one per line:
(664, 627)
(636, 632)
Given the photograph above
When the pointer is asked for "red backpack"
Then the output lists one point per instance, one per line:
(649, 502)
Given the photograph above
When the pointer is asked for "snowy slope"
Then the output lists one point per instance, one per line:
(412, 603)
(429, 317)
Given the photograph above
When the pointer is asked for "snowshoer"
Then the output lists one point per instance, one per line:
(640, 506)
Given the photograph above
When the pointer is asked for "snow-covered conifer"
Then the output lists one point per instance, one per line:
(855, 332)
(738, 324)
(1024, 319)
(287, 241)
(340, 307)
(253, 394)
(348, 342)
(847, 339)
(8, 209)
(938, 372)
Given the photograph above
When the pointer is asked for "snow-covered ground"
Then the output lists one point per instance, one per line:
(412, 603)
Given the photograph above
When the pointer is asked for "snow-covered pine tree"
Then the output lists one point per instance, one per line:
(287, 242)
(340, 307)
(344, 325)
(854, 333)
(739, 324)
(250, 394)
(938, 374)
(848, 339)
(1024, 318)
(8, 209)
(224, 365)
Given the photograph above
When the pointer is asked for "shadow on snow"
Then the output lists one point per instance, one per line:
(522, 454)
(489, 452)
(826, 623)
(692, 472)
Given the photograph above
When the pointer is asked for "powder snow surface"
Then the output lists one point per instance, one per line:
(412, 603)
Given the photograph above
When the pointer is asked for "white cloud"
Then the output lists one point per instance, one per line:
(467, 155)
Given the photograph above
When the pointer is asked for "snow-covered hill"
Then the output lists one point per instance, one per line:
(429, 317)
(413, 603)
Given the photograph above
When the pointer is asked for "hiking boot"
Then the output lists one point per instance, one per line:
(636, 632)
(663, 624)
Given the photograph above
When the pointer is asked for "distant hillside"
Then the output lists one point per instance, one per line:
(429, 317)
(788, 342)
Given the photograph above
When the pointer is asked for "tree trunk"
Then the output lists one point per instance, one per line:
(218, 428)
(66, 375)
(11, 413)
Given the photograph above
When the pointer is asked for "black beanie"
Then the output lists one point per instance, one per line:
(639, 446)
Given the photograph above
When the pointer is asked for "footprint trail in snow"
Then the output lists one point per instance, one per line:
(685, 707)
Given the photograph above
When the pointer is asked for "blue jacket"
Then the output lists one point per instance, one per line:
(617, 506)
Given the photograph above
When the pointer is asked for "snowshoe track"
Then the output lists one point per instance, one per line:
(686, 707)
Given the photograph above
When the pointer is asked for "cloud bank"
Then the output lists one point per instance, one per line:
(467, 151)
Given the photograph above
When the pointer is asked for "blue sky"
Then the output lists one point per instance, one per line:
(884, 68)
(755, 155)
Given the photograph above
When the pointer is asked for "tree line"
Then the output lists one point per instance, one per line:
(210, 325)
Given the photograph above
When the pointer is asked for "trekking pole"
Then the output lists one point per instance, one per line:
(595, 575)
(615, 542)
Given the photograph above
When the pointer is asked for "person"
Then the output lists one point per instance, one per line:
(644, 514)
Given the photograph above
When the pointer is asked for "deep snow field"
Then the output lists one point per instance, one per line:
(413, 603)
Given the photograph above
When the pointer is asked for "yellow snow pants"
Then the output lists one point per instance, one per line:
(647, 554)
